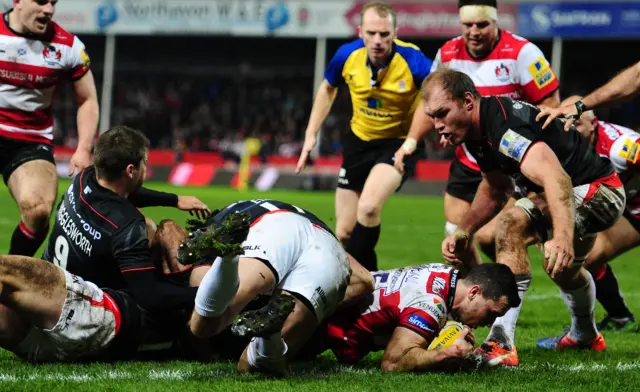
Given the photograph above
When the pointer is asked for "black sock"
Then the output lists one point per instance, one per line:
(24, 242)
(362, 245)
(608, 293)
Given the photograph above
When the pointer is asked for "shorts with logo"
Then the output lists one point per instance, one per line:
(599, 205)
(14, 153)
(463, 181)
(88, 323)
(360, 156)
(307, 261)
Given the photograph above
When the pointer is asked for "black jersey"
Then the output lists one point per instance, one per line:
(510, 128)
(260, 207)
(102, 237)
(97, 234)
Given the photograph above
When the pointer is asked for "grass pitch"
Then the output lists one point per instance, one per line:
(412, 231)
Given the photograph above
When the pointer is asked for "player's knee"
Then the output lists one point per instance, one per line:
(513, 222)
(368, 210)
(36, 212)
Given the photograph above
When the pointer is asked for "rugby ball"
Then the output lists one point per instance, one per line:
(448, 334)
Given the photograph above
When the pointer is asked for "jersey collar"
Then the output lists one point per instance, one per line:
(453, 281)
(377, 74)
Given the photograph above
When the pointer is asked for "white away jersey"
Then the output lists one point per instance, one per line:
(31, 68)
(418, 298)
(515, 68)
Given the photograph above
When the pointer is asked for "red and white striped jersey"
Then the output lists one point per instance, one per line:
(622, 146)
(418, 298)
(31, 68)
(515, 68)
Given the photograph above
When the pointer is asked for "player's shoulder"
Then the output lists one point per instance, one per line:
(517, 45)
(345, 50)
(101, 206)
(613, 131)
(452, 49)
(61, 36)
(412, 55)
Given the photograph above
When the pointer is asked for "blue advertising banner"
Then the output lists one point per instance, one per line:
(580, 20)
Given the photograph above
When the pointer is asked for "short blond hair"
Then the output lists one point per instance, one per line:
(383, 9)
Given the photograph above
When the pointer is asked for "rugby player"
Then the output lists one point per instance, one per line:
(49, 314)
(288, 252)
(500, 63)
(37, 57)
(623, 86)
(100, 236)
(383, 75)
(566, 186)
(621, 146)
(408, 308)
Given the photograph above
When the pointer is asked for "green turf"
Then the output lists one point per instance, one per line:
(411, 234)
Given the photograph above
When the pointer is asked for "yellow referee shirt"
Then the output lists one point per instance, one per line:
(383, 104)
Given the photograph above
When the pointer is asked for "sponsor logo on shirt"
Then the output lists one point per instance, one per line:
(541, 73)
(438, 285)
(420, 323)
(514, 145)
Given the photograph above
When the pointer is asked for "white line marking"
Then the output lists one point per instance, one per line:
(180, 375)
(548, 296)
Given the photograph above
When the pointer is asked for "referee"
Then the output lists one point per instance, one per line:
(384, 76)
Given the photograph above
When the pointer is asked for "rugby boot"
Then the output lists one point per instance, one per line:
(495, 354)
(614, 324)
(265, 321)
(564, 342)
(276, 367)
(205, 244)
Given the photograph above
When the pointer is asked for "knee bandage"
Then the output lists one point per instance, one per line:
(449, 228)
(540, 222)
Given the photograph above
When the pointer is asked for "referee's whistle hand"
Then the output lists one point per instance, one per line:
(309, 144)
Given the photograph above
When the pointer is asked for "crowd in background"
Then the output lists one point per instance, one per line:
(182, 97)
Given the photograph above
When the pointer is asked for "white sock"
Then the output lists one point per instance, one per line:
(218, 287)
(581, 303)
(503, 329)
(270, 349)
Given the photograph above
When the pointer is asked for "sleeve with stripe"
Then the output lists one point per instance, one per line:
(537, 79)
(79, 62)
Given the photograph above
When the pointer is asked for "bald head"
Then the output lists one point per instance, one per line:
(586, 123)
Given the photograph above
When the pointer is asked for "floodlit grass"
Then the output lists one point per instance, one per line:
(411, 234)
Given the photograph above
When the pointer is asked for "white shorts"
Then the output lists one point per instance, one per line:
(306, 259)
(87, 325)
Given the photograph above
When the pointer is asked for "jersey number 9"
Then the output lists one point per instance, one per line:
(61, 250)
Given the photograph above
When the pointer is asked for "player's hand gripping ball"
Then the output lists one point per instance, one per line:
(448, 334)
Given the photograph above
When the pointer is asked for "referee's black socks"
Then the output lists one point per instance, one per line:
(362, 245)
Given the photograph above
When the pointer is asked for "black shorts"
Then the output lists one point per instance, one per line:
(14, 153)
(463, 182)
(360, 156)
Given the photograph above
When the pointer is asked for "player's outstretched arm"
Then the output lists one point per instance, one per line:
(490, 197)
(624, 86)
(87, 119)
(145, 197)
(542, 167)
(421, 125)
(406, 352)
(321, 107)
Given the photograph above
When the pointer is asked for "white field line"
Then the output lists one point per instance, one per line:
(180, 375)
(551, 295)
